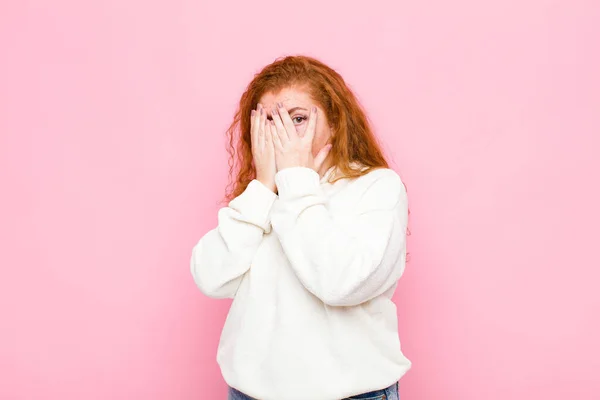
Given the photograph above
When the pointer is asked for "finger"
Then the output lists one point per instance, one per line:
(254, 121)
(261, 129)
(320, 158)
(309, 133)
(281, 132)
(275, 136)
(269, 134)
(287, 120)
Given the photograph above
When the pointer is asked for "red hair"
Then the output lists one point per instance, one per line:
(353, 139)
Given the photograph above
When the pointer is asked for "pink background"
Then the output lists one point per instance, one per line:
(112, 161)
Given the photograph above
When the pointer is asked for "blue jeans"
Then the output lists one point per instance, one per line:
(390, 393)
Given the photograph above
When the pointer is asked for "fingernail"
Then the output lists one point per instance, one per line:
(274, 111)
(314, 110)
(280, 105)
(262, 111)
(253, 113)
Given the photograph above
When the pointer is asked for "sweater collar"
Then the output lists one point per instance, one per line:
(332, 171)
(328, 174)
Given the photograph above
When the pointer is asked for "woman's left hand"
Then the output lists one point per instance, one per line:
(291, 149)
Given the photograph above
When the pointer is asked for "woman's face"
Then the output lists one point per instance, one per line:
(298, 103)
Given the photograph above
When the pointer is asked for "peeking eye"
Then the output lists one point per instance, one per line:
(299, 119)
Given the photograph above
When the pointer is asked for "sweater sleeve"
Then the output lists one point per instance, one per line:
(347, 259)
(223, 255)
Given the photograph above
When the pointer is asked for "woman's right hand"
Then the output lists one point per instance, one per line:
(263, 152)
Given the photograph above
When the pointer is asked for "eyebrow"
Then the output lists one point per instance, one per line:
(291, 110)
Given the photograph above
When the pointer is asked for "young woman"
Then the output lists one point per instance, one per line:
(310, 247)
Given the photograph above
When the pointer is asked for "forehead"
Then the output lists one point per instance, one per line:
(288, 96)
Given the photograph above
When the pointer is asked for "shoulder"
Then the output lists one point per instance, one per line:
(380, 177)
(382, 186)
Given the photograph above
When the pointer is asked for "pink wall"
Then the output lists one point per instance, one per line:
(112, 160)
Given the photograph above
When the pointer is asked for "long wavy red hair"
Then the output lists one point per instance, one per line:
(352, 137)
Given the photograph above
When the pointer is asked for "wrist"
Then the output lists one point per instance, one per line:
(268, 183)
(295, 164)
